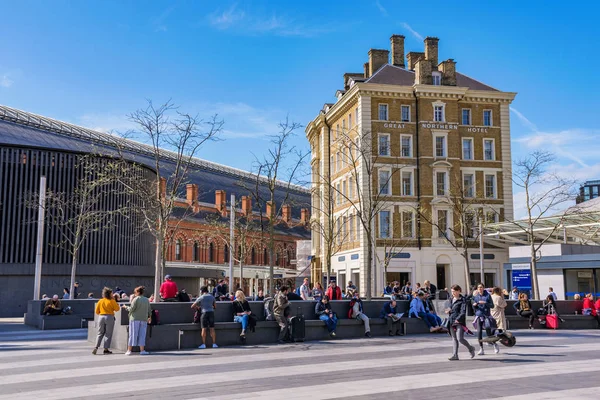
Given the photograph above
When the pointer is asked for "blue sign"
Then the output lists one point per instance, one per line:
(521, 278)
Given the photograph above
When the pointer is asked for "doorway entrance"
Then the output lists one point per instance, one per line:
(441, 276)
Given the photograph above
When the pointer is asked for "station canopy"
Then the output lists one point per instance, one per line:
(579, 224)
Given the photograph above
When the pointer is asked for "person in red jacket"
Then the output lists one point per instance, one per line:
(334, 292)
(597, 309)
(588, 305)
(168, 289)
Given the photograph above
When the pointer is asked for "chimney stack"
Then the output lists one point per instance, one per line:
(423, 73)
(247, 205)
(412, 59)
(397, 46)
(163, 187)
(286, 213)
(377, 59)
(221, 201)
(431, 50)
(366, 69)
(448, 70)
(191, 193)
(304, 216)
(270, 209)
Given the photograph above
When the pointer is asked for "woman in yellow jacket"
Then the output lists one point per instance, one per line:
(105, 308)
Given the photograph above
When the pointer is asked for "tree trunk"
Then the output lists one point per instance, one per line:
(73, 271)
(534, 281)
(271, 272)
(369, 269)
(158, 269)
(466, 271)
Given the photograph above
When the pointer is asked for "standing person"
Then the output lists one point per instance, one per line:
(551, 293)
(482, 305)
(305, 290)
(390, 314)
(318, 291)
(326, 314)
(457, 317)
(105, 308)
(499, 306)
(281, 311)
(66, 294)
(356, 311)
(334, 292)
(139, 317)
(514, 294)
(350, 290)
(523, 308)
(76, 290)
(241, 312)
(206, 303)
(168, 289)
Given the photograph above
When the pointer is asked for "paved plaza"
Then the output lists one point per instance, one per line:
(59, 365)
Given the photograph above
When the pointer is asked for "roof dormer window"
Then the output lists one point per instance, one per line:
(436, 78)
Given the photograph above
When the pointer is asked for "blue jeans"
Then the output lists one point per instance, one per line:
(331, 323)
(243, 319)
(429, 319)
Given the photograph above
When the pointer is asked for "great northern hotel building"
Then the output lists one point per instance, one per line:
(437, 129)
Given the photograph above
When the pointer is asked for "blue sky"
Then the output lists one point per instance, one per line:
(255, 62)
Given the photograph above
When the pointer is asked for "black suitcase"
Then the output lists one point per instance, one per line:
(298, 327)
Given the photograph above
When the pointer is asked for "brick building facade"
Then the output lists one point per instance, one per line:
(431, 131)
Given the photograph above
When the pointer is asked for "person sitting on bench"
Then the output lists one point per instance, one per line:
(391, 315)
(53, 306)
(417, 310)
(241, 312)
(523, 308)
(325, 313)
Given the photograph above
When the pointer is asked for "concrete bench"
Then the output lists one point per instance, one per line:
(571, 322)
(83, 312)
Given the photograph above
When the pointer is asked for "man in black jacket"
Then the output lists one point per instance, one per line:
(390, 314)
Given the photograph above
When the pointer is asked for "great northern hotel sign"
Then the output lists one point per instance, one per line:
(429, 125)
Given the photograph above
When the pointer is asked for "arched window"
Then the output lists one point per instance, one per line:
(211, 252)
(178, 246)
(226, 253)
(196, 252)
(253, 256)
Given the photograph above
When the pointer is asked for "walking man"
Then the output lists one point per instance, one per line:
(206, 303)
(280, 311)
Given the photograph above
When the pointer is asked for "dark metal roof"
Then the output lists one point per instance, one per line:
(392, 75)
(208, 176)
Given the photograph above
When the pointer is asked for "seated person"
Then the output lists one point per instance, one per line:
(588, 305)
(53, 306)
(417, 310)
(523, 308)
(356, 311)
(183, 297)
(293, 296)
(325, 313)
(549, 306)
(391, 315)
(241, 312)
(597, 308)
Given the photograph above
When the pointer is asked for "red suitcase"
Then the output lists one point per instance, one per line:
(552, 321)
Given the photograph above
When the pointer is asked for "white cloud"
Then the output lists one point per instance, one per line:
(524, 120)
(106, 122)
(412, 31)
(244, 22)
(381, 8)
(6, 81)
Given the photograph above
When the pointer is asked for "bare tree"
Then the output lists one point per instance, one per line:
(544, 193)
(174, 140)
(81, 211)
(277, 171)
(371, 191)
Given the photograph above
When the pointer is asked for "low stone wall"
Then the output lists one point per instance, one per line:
(83, 311)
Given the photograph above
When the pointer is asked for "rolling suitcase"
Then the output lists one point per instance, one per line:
(552, 321)
(297, 327)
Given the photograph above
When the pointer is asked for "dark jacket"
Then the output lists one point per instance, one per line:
(388, 309)
(482, 310)
(239, 307)
(519, 309)
(458, 310)
(322, 308)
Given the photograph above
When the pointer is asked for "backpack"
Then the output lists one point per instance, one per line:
(269, 303)
(298, 290)
(352, 303)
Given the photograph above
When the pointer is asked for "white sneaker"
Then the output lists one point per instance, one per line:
(128, 353)
(203, 346)
(496, 348)
(215, 346)
(144, 353)
(481, 352)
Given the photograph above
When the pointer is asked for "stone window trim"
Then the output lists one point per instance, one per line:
(441, 117)
(436, 78)
(413, 220)
(491, 121)
(411, 187)
(490, 190)
(381, 107)
(469, 117)
(385, 213)
(472, 155)
(473, 186)
(388, 183)
(410, 150)
(493, 149)
(388, 147)
(443, 135)
(446, 182)
(405, 108)
(449, 222)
